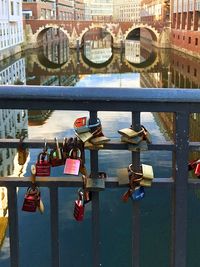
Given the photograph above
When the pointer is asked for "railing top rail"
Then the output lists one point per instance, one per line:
(35, 93)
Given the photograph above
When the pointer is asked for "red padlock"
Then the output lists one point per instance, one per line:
(197, 170)
(79, 207)
(31, 199)
(43, 167)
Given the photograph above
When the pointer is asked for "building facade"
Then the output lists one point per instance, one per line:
(185, 33)
(54, 9)
(126, 10)
(11, 28)
(101, 10)
(155, 13)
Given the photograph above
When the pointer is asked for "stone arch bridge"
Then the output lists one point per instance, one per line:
(75, 30)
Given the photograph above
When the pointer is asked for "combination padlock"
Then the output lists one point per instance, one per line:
(31, 199)
(79, 207)
(72, 164)
(43, 167)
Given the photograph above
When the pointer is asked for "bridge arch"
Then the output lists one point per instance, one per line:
(93, 26)
(41, 30)
(154, 33)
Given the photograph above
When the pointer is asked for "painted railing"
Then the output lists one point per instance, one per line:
(180, 102)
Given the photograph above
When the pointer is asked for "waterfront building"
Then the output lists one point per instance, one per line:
(100, 9)
(54, 9)
(155, 12)
(11, 28)
(132, 51)
(186, 26)
(126, 10)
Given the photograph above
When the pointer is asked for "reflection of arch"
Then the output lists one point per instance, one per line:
(148, 64)
(154, 33)
(46, 62)
(39, 33)
(93, 26)
(96, 65)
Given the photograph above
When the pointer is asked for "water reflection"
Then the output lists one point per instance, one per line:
(166, 69)
(97, 46)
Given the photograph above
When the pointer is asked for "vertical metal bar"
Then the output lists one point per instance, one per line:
(136, 204)
(13, 227)
(95, 203)
(54, 226)
(179, 227)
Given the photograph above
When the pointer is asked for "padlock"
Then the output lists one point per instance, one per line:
(197, 170)
(79, 207)
(43, 167)
(22, 152)
(72, 164)
(100, 140)
(138, 193)
(31, 199)
(141, 146)
(148, 175)
(55, 156)
(193, 164)
(87, 195)
(82, 125)
(127, 194)
(95, 184)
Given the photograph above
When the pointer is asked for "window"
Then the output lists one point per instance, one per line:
(196, 41)
(12, 8)
(189, 40)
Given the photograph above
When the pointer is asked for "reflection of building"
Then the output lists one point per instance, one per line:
(99, 9)
(126, 10)
(11, 29)
(185, 71)
(186, 26)
(132, 51)
(98, 51)
(14, 73)
(55, 46)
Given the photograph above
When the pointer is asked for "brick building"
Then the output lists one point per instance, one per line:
(185, 33)
(54, 9)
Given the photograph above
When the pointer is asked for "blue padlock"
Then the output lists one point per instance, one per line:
(138, 193)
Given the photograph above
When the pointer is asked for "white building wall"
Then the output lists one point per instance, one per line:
(127, 10)
(11, 26)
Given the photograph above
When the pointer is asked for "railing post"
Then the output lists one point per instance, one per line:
(54, 226)
(180, 190)
(95, 203)
(13, 227)
(136, 204)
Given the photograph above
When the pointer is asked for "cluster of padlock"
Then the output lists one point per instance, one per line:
(90, 134)
(195, 166)
(137, 181)
(32, 199)
(136, 140)
(70, 155)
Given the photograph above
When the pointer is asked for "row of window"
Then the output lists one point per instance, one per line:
(188, 39)
(10, 34)
(191, 71)
(186, 6)
(14, 72)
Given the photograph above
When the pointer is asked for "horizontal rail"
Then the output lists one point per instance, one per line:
(107, 99)
(111, 145)
(70, 181)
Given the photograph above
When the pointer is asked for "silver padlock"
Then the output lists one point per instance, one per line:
(95, 184)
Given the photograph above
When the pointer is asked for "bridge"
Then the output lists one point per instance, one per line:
(75, 30)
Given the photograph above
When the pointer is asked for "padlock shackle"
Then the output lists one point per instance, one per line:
(77, 150)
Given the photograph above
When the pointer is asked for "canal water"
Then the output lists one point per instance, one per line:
(96, 64)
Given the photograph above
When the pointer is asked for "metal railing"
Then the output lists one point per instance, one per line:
(180, 102)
